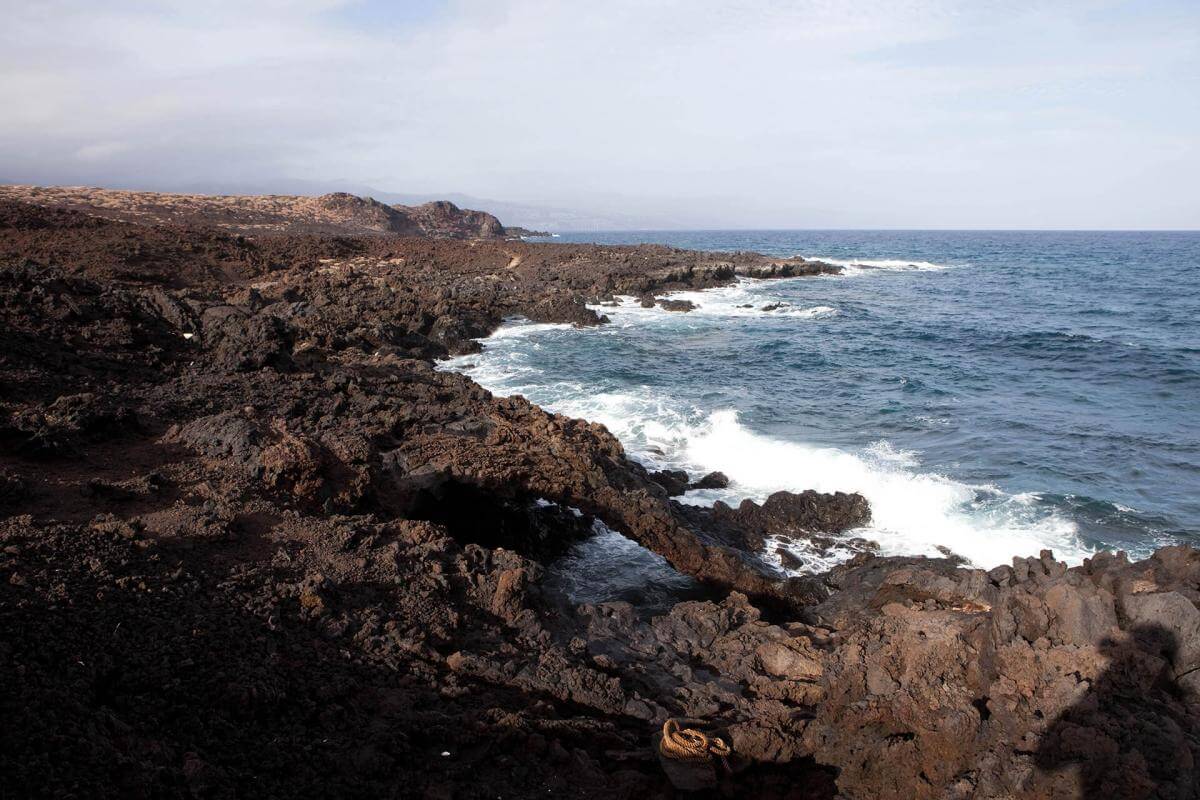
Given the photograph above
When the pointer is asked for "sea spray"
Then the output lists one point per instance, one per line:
(913, 513)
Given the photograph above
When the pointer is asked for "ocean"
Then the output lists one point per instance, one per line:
(991, 393)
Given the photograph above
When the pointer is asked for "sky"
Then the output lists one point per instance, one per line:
(694, 113)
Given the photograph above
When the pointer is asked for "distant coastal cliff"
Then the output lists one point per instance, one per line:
(337, 213)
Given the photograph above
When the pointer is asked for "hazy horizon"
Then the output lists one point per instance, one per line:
(814, 115)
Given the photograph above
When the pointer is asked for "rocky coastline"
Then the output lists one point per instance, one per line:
(253, 544)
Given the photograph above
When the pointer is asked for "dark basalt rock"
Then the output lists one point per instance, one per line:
(650, 301)
(783, 513)
(12, 488)
(675, 481)
(713, 480)
(789, 559)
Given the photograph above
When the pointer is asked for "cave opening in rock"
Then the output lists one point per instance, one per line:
(586, 561)
(610, 567)
(473, 515)
(981, 705)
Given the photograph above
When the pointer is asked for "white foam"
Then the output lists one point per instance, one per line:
(912, 512)
(515, 328)
(747, 297)
(542, 502)
(652, 427)
(811, 559)
(860, 266)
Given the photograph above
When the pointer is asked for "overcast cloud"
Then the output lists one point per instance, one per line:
(817, 113)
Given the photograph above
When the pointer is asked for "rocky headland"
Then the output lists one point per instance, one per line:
(253, 544)
(332, 214)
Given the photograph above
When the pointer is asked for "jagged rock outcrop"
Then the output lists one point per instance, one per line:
(443, 218)
(1030, 681)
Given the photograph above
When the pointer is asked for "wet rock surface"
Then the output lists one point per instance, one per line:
(675, 481)
(253, 544)
(783, 513)
(677, 305)
(713, 480)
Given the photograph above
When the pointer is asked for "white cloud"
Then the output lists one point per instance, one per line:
(803, 114)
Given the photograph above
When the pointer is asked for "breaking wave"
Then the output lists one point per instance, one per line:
(914, 512)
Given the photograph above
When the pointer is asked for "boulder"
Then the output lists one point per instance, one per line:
(675, 481)
(713, 480)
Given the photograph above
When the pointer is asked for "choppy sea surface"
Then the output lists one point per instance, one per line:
(993, 393)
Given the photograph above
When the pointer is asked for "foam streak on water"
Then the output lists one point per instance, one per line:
(864, 265)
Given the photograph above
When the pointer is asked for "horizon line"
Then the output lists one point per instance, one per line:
(868, 230)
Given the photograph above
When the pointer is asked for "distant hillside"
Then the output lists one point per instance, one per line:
(527, 215)
(334, 213)
(542, 218)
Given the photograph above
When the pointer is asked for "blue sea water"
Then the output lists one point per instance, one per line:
(991, 393)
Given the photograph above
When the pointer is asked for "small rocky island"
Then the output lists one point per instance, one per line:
(253, 544)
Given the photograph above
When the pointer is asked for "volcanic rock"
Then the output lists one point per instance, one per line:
(782, 513)
(713, 480)
(675, 481)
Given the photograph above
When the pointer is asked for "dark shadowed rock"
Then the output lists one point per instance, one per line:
(12, 488)
(675, 481)
(783, 513)
(713, 480)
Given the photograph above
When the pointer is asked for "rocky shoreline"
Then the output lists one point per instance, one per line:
(252, 544)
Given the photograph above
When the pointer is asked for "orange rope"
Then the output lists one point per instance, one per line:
(689, 744)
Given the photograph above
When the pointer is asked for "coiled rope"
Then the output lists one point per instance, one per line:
(689, 744)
